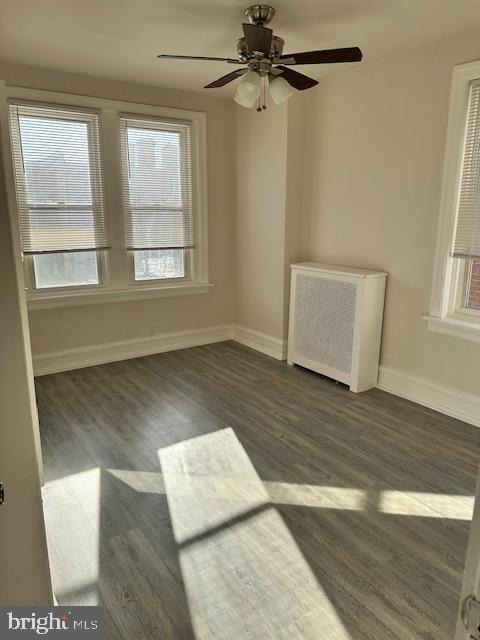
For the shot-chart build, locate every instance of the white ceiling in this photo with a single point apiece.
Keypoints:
(119, 39)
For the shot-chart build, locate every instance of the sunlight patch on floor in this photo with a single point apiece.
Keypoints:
(222, 515)
(430, 505)
(244, 575)
(209, 480)
(72, 520)
(142, 481)
(307, 495)
(389, 502)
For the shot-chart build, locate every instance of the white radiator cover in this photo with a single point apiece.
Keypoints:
(335, 325)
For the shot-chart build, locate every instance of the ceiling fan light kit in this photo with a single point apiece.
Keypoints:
(262, 53)
(280, 90)
(249, 90)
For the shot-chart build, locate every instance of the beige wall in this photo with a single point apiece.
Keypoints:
(296, 141)
(24, 572)
(64, 328)
(261, 151)
(375, 152)
(270, 156)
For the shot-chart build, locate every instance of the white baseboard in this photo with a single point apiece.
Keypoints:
(273, 347)
(91, 355)
(451, 402)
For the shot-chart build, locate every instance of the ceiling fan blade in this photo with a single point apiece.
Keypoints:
(257, 38)
(226, 79)
(348, 54)
(295, 79)
(173, 57)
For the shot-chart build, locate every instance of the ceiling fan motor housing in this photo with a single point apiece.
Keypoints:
(260, 14)
(276, 49)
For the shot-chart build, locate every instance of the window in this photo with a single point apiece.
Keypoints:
(157, 264)
(111, 198)
(466, 243)
(66, 269)
(455, 303)
(59, 193)
(472, 289)
(157, 188)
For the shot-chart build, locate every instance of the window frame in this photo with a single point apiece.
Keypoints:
(448, 313)
(116, 265)
(188, 255)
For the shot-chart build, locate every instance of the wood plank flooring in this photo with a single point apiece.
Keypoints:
(364, 501)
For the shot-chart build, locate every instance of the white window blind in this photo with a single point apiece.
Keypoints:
(58, 176)
(157, 182)
(467, 234)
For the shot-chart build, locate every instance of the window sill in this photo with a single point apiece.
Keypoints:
(459, 326)
(101, 296)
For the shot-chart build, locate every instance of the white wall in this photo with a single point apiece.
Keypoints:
(65, 328)
(374, 153)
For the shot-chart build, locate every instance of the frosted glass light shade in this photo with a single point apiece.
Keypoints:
(242, 101)
(280, 90)
(249, 90)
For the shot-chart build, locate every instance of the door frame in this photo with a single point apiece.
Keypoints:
(25, 577)
(471, 575)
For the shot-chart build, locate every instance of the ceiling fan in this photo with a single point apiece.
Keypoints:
(262, 53)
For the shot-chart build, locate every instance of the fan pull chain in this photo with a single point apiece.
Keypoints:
(260, 106)
(264, 106)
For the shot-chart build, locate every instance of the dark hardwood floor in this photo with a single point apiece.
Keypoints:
(374, 493)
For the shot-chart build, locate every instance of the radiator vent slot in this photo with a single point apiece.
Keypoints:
(324, 322)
